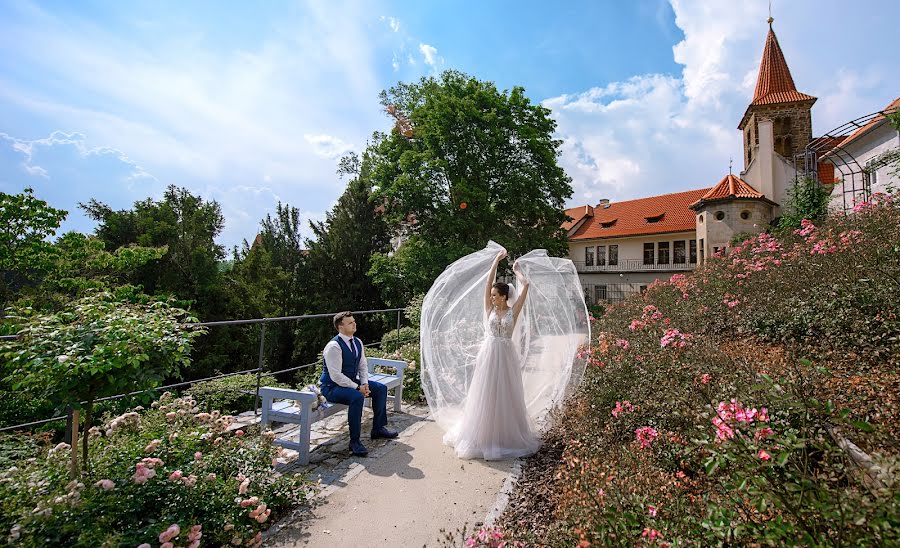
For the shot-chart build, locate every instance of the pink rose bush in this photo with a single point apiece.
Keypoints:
(147, 472)
(727, 418)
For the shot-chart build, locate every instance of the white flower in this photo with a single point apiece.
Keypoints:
(62, 358)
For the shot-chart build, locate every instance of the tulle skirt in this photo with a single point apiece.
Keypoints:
(495, 424)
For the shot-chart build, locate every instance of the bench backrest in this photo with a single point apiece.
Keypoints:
(398, 364)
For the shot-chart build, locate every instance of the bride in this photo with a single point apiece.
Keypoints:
(495, 424)
(495, 364)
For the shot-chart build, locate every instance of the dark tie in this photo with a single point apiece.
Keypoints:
(352, 348)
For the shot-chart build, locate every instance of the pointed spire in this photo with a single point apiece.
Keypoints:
(774, 83)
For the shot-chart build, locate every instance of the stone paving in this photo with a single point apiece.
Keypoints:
(330, 439)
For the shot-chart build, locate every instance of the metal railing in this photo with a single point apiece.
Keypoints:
(610, 293)
(259, 370)
(633, 265)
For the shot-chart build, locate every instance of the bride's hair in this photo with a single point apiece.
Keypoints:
(502, 288)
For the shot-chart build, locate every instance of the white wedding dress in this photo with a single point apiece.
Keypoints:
(495, 423)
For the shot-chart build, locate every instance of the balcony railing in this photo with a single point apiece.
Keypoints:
(632, 265)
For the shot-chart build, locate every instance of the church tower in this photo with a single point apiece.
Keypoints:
(776, 99)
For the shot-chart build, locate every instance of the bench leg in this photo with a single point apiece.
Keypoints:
(305, 426)
(398, 397)
(266, 407)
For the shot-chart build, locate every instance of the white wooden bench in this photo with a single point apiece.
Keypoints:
(285, 410)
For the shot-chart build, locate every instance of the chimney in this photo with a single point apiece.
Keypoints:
(603, 204)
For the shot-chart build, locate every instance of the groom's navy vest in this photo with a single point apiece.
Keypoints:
(349, 363)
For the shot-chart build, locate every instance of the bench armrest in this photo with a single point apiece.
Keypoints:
(287, 394)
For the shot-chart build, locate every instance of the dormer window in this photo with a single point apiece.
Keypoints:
(608, 224)
(655, 218)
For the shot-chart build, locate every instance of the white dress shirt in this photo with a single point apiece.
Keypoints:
(334, 359)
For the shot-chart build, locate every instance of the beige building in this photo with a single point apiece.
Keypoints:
(621, 247)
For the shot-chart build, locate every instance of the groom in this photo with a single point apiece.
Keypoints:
(345, 379)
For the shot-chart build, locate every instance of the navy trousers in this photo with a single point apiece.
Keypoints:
(354, 399)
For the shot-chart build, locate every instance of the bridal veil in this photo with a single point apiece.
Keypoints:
(550, 333)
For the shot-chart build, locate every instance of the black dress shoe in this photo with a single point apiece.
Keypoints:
(358, 449)
(384, 433)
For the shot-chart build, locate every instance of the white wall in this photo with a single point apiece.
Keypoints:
(631, 247)
(865, 149)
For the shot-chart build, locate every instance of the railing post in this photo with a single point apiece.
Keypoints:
(262, 348)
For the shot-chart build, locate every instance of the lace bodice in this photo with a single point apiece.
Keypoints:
(501, 326)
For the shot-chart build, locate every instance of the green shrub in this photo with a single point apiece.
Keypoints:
(406, 335)
(414, 310)
(231, 395)
(716, 405)
(151, 470)
(412, 382)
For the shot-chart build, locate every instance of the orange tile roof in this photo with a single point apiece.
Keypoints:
(774, 83)
(577, 214)
(825, 172)
(872, 124)
(630, 216)
(728, 188)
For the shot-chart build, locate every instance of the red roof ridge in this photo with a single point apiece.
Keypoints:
(892, 107)
(729, 187)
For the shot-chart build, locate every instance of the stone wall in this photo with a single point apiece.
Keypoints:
(717, 232)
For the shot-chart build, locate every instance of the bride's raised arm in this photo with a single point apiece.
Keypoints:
(523, 292)
(492, 275)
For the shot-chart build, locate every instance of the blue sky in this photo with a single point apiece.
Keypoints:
(251, 103)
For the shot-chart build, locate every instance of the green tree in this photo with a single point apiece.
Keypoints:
(96, 347)
(477, 164)
(807, 199)
(26, 255)
(338, 261)
(186, 225)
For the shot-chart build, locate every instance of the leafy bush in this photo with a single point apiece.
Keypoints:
(412, 381)
(232, 395)
(414, 310)
(405, 336)
(165, 473)
(721, 406)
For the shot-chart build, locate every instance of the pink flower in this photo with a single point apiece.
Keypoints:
(142, 474)
(242, 488)
(145, 545)
(651, 510)
(152, 462)
(167, 545)
(170, 416)
(189, 481)
(651, 534)
(176, 475)
(763, 455)
(705, 378)
(152, 446)
(623, 343)
(674, 338)
(622, 408)
(763, 433)
(105, 484)
(173, 531)
(645, 435)
(198, 455)
(239, 433)
(195, 533)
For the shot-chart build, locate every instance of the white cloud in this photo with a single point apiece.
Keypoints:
(392, 22)
(327, 146)
(429, 53)
(654, 133)
(77, 141)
